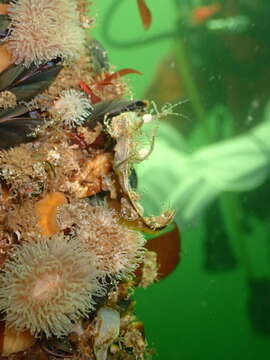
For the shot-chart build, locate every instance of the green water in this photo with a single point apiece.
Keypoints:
(201, 310)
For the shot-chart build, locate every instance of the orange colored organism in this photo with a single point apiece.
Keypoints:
(202, 13)
(46, 212)
(145, 13)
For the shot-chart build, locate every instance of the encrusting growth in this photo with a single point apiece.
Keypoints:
(46, 212)
(71, 223)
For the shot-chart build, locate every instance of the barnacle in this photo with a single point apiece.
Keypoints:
(43, 30)
(7, 99)
(48, 285)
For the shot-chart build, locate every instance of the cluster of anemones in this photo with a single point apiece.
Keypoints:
(50, 280)
(62, 251)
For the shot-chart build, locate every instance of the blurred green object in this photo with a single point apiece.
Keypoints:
(259, 304)
(219, 255)
(198, 314)
(238, 164)
(236, 24)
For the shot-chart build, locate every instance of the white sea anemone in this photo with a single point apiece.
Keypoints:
(44, 29)
(72, 108)
(118, 249)
(48, 285)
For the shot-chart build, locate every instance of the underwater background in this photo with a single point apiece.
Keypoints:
(211, 164)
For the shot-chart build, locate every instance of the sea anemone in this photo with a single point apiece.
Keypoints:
(47, 286)
(118, 250)
(23, 169)
(42, 30)
(17, 163)
(23, 221)
(72, 108)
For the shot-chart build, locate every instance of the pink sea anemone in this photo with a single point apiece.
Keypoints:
(42, 30)
(47, 286)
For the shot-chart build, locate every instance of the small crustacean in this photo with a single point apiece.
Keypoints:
(123, 129)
